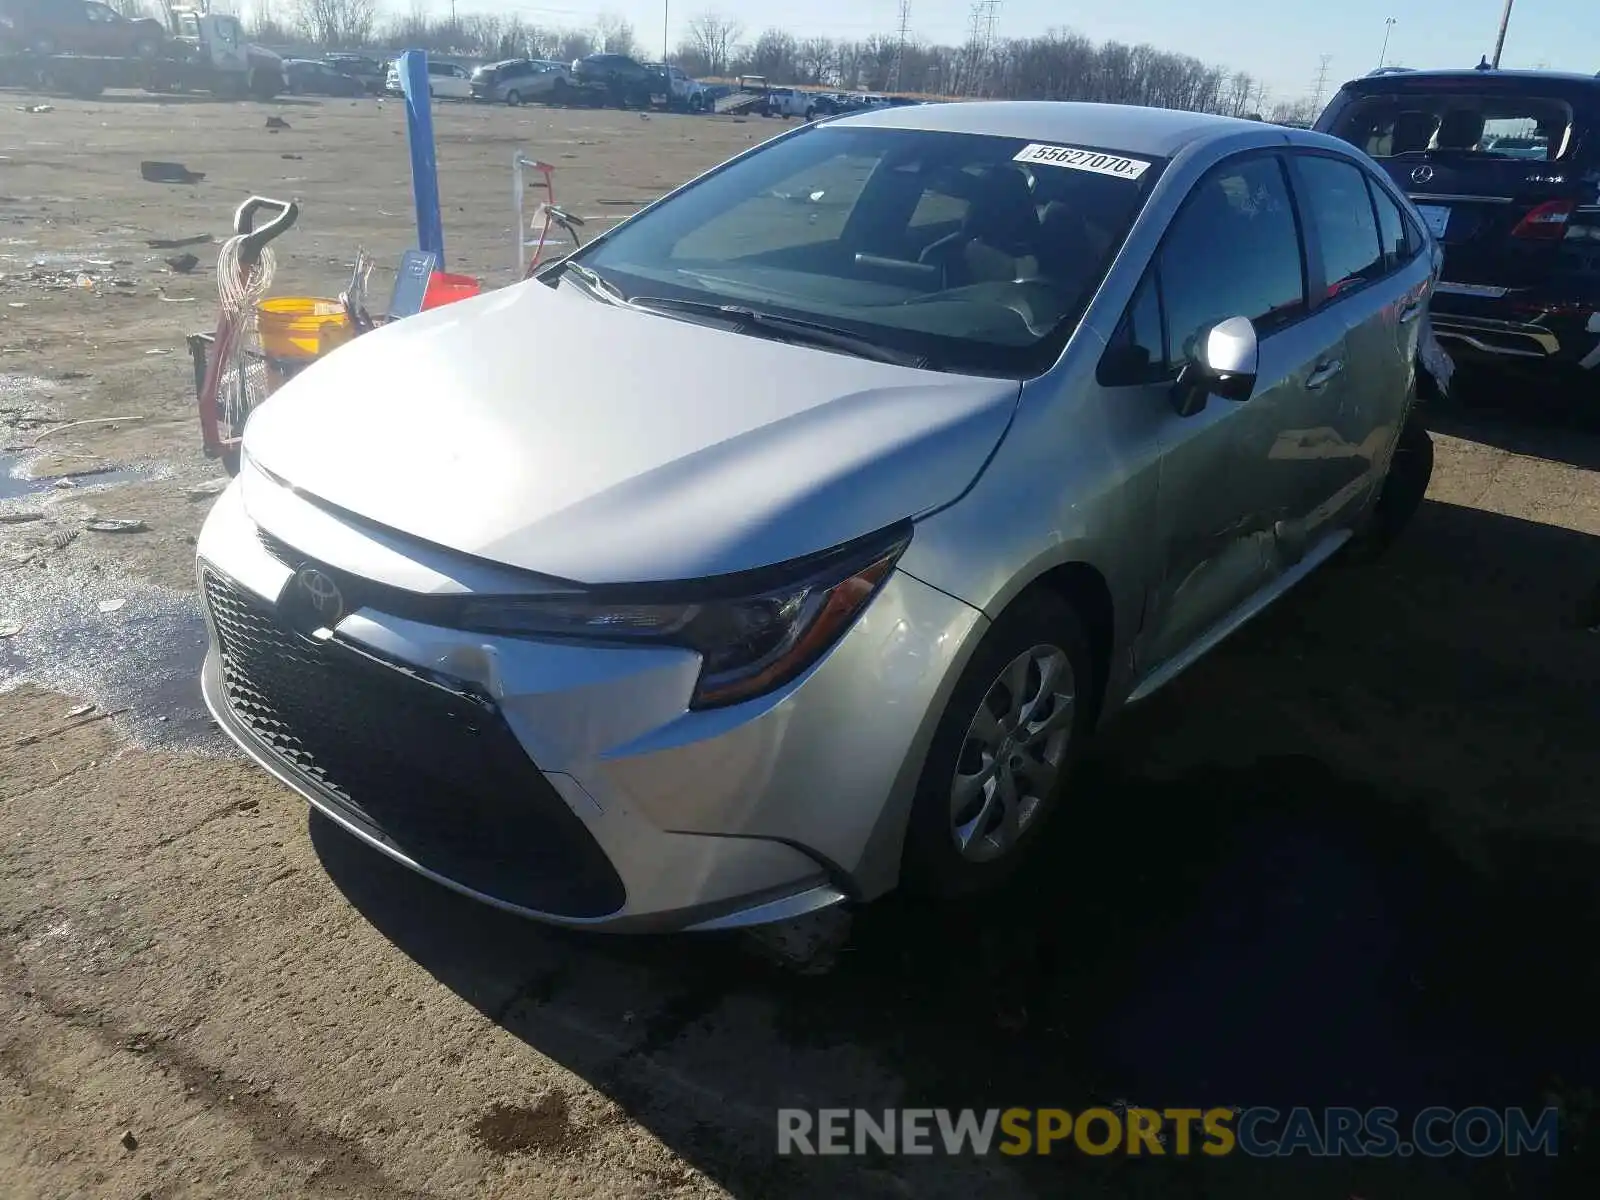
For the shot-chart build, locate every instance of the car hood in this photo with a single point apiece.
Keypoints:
(549, 431)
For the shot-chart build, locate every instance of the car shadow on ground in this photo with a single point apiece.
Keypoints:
(1525, 417)
(1352, 859)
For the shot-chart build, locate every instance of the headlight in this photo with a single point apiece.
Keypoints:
(750, 638)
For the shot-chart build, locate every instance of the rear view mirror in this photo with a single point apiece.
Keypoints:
(1225, 365)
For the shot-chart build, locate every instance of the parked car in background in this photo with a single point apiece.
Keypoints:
(446, 80)
(617, 80)
(1504, 167)
(80, 27)
(684, 92)
(786, 102)
(369, 71)
(308, 77)
(520, 81)
(1033, 405)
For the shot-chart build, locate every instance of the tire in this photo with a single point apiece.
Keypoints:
(514, 98)
(697, 103)
(1405, 485)
(958, 845)
(811, 115)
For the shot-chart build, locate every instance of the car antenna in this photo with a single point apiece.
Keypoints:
(1483, 63)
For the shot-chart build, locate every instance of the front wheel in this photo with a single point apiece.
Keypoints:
(1007, 740)
(514, 98)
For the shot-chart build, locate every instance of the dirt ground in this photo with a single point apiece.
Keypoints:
(1350, 859)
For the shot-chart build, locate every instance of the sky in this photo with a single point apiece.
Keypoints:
(1278, 41)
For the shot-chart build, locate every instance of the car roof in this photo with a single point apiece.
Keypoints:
(1390, 80)
(1161, 132)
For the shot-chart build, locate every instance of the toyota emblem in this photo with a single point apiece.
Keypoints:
(1423, 174)
(322, 593)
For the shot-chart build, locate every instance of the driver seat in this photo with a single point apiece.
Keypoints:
(998, 240)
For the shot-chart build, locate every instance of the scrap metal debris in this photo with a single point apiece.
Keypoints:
(36, 108)
(276, 123)
(116, 525)
(211, 487)
(199, 239)
(183, 263)
(169, 172)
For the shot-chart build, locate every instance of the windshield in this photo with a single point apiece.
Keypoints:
(974, 253)
(1460, 122)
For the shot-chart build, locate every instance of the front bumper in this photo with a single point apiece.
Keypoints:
(1518, 327)
(640, 814)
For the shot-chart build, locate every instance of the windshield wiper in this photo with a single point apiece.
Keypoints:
(594, 282)
(789, 329)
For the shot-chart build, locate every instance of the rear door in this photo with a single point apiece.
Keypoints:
(1495, 164)
(1365, 279)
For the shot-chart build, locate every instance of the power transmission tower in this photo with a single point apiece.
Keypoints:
(900, 45)
(980, 41)
(1320, 84)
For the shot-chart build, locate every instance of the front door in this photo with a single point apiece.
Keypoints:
(1235, 491)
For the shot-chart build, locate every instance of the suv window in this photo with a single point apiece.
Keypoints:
(1337, 205)
(1465, 120)
(1232, 251)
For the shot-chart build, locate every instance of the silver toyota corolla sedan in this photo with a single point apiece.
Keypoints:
(880, 465)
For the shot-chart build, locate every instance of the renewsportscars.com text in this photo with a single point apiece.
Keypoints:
(1258, 1132)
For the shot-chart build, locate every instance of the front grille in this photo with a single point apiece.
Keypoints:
(433, 771)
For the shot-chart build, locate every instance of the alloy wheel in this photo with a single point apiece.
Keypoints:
(1012, 753)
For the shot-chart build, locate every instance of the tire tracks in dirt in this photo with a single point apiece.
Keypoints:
(276, 1128)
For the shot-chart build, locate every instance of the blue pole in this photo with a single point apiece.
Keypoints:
(424, 167)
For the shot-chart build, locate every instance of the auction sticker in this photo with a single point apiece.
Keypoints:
(1083, 160)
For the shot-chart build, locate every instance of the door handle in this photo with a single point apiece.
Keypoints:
(1324, 371)
(1411, 312)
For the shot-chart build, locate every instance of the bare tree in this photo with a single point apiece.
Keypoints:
(337, 22)
(614, 35)
(132, 9)
(714, 39)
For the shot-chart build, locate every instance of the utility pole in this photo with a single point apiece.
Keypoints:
(900, 45)
(1388, 26)
(1500, 40)
(1320, 84)
(665, 56)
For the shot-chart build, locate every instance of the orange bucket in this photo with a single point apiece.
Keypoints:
(444, 288)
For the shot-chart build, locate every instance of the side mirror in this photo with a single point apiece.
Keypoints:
(1226, 366)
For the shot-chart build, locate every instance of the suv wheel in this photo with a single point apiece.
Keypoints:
(513, 98)
(1005, 744)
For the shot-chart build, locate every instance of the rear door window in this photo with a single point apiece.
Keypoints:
(1337, 205)
(1398, 245)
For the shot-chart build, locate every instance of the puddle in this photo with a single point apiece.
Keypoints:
(14, 481)
(144, 656)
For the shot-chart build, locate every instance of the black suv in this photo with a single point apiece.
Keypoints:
(1504, 167)
(617, 79)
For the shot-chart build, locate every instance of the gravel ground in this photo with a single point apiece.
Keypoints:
(1350, 859)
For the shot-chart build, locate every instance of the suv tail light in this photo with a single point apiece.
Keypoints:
(1546, 222)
